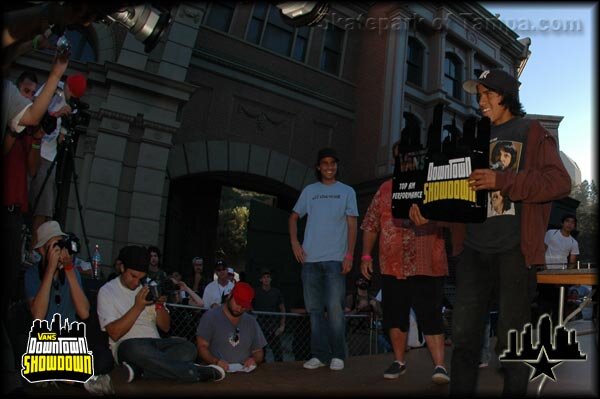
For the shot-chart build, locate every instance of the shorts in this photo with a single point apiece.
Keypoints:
(424, 294)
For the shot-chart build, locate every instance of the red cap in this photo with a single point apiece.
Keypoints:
(243, 294)
(77, 85)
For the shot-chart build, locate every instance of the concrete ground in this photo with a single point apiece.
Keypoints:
(362, 376)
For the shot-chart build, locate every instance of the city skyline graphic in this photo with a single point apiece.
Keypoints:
(552, 347)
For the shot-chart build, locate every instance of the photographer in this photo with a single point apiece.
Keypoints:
(42, 186)
(132, 319)
(54, 284)
(20, 152)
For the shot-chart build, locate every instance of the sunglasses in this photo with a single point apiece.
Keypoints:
(236, 336)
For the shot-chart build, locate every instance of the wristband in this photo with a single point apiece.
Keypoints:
(68, 267)
(349, 257)
(366, 257)
(35, 146)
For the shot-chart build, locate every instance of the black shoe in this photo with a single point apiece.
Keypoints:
(440, 376)
(210, 372)
(125, 373)
(394, 371)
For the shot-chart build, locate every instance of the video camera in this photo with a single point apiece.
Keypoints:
(79, 117)
(70, 242)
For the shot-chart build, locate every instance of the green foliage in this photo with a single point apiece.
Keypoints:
(587, 220)
(234, 214)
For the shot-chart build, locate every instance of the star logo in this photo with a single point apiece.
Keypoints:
(542, 366)
(552, 348)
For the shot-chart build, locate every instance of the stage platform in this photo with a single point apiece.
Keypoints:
(362, 377)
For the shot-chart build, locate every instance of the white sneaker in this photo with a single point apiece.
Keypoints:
(313, 363)
(336, 364)
(99, 385)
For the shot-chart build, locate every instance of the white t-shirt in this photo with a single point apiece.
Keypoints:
(14, 106)
(213, 293)
(49, 140)
(559, 249)
(114, 300)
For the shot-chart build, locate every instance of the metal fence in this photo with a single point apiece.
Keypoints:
(364, 335)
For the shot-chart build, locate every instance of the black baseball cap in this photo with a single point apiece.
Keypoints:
(495, 79)
(135, 257)
(327, 152)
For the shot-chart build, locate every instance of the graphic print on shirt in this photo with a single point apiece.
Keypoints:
(234, 338)
(504, 155)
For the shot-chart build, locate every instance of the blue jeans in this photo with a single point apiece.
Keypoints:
(324, 286)
(171, 358)
(479, 279)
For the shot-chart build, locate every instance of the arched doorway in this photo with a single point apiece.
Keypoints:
(200, 173)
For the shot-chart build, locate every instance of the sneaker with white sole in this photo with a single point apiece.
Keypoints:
(394, 371)
(210, 372)
(313, 363)
(99, 385)
(440, 375)
(336, 364)
(126, 373)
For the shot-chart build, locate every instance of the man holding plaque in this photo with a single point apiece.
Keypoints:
(499, 255)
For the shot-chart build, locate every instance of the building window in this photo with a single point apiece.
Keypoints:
(331, 58)
(82, 47)
(267, 29)
(414, 62)
(219, 15)
(452, 76)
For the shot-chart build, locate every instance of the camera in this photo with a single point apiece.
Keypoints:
(70, 242)
(153, 293)
(166, 288)
(78, 118)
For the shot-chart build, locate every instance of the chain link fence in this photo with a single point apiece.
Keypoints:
(364, 335)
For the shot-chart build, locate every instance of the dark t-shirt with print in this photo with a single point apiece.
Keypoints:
(501, 230)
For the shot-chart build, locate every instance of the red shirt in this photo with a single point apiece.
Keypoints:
(14, 166)
(404, 249)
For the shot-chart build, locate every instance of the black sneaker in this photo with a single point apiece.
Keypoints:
(394, 371)
(210, 372)
(125, 373)
(440, 376)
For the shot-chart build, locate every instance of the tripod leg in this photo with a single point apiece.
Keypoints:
(42, 203)
(70, 154)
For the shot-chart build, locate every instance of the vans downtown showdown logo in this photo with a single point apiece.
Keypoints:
(57, 352)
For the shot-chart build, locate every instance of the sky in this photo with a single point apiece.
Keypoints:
(558, 78)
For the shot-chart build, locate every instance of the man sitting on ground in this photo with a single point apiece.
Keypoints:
(228, 337)
(130, 318)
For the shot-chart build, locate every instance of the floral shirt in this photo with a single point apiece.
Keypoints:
(404, 249)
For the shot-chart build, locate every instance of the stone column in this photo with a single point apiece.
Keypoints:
(393, 102)
(180, 41)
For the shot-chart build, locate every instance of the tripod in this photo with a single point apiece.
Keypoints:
(66, 152)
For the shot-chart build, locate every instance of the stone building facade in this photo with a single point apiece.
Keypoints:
(233, 96)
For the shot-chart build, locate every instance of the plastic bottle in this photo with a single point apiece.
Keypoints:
(96, 262)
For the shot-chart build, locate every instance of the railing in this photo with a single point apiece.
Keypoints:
(362, 331)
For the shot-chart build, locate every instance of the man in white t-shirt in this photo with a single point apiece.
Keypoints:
(216, 291)
(561, 252)
(131, 321)
(561, 248)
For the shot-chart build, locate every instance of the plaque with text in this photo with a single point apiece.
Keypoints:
(436, 178)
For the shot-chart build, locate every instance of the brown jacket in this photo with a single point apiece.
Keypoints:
(542, 180)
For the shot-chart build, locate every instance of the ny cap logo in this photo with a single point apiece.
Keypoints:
(484, 74)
